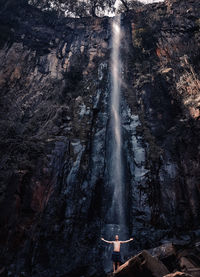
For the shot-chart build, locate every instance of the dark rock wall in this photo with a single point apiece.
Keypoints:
(55, 88)
(162, 90)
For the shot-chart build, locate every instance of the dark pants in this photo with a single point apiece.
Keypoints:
(116, 257)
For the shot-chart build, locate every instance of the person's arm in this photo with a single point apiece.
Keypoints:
(125, 241)
(107, 241)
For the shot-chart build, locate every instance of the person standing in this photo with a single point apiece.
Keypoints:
(116, 256)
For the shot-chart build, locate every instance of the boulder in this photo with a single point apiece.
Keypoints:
(142, 265)
(178, 274)
(167, 254)
(164, 251)
(189, 264)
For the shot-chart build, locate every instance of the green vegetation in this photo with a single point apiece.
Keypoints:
(82, 8)
(75, 8)
(127, 5)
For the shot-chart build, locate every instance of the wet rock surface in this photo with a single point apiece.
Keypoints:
(54, 126)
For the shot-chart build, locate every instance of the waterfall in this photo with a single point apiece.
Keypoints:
(115, 218)
(116, 168)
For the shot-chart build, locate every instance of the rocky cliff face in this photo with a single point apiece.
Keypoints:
(55, 93)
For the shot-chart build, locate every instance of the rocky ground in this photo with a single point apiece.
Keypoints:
(54, 134)
(172, 259)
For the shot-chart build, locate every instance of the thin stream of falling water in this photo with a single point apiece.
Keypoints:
(115, 218)
(116, 175)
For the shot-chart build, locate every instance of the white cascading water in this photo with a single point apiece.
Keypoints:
(116, 175)
(115, 222)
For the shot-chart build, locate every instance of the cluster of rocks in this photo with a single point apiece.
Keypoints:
(175, 259)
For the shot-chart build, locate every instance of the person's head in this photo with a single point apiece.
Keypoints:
(116, 237)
